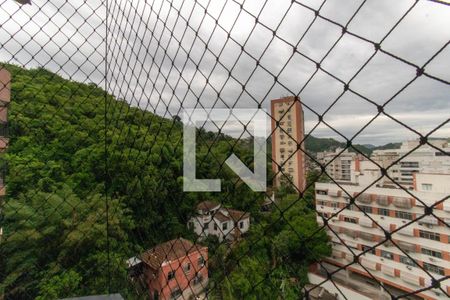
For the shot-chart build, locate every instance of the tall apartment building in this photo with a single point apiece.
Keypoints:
(388, 210)
(5, 95)
(288, 159)
(338, 163)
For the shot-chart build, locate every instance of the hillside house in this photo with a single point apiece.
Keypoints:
(176, 269)
(214, 219)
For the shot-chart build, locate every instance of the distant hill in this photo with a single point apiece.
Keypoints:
(315, 145)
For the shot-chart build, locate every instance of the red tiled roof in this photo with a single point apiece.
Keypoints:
(170, 250)
(207, 205)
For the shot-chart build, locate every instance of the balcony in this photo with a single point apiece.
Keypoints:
(349, 232)
(334, 193)
(364, 198)
(366, 236)
(387, 270)
(402, 202)
(430, 220)
(369, 264)
(407, 247)
(408, 231)
(382, 200)
(410, 278)
(365, 222)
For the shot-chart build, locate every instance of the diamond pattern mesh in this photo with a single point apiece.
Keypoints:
(93, 170)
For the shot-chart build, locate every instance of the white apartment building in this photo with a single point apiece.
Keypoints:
(339, 164)
(424, 159)
(426, 241)
(214, 219)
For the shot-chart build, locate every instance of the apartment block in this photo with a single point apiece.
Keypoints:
(214, 219)
(5, 97)
(338, 163)
(413, 158)
(288, 158)
(418, 249)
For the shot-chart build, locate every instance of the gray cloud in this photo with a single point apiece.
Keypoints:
(153, 56)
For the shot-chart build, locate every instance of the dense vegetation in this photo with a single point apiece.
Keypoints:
(69, 169)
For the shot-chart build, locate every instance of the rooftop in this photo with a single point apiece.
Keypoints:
(168, 251)
(207, 205)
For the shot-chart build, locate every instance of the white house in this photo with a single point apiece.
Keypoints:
(214, 219)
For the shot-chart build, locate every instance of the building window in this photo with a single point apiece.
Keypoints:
(198, 279)
(368, 249)
(288, 117)
(383, 211)
(241, 224)
(409, 164)
(175, 294)
(291, 170)
(334, 204)
(281, 137)
(427, 186)
(155, 295)
(187, 268)
(171, 275)
(215, 227)
(201, 261)
(407, 261)
(289, 129)
(224, 226)
(433, 268)
(366, 209)
(350, 220)
(387, 254)
(403, 215)
(431, 253)
(429, 235)
(322, 192)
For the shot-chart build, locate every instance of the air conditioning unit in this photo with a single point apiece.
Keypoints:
(382, 218)
(403, 221)
(429, 226)
(409, 268)
(432, 259)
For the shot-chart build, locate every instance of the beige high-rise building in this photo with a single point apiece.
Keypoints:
(288, 159)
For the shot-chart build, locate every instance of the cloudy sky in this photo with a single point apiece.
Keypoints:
(163, 55)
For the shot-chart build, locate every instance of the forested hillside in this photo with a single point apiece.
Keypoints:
(69, 169)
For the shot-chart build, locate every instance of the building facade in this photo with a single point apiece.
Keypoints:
(288, 158)
(338, 163)
(176, 269)
(411, 158)
(225, 223)
(418, 250)
(5, 97)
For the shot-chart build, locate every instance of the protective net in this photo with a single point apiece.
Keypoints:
(93, 100)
